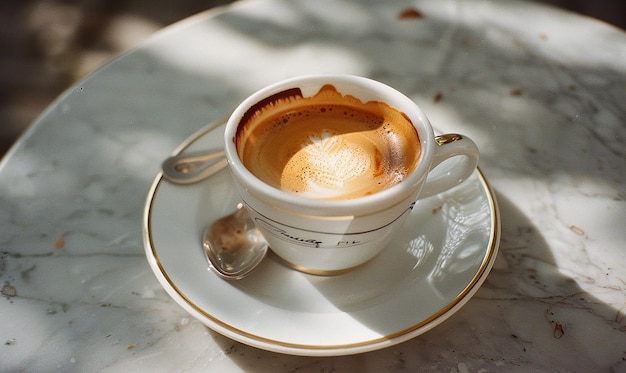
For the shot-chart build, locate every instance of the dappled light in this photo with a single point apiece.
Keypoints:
(543, 100)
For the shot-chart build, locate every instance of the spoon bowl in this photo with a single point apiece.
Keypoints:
(233, 245)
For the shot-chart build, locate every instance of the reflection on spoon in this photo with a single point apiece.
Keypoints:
(233, 245)
(188, 168)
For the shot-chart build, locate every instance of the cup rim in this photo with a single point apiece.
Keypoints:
(410, 186)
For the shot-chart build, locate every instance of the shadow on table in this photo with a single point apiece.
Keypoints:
(525, 326)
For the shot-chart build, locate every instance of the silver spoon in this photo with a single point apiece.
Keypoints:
(188, 168)
(233, 245)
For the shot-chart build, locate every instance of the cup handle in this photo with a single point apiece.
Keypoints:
(445, 175)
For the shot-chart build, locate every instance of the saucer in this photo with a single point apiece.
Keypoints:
(427, 273)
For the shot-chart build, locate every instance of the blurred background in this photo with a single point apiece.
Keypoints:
(46, 45)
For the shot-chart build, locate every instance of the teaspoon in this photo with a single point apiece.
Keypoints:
(233, 245)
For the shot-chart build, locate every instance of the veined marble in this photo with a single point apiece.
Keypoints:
(542, 92)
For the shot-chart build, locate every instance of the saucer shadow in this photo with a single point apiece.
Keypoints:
(523, 298)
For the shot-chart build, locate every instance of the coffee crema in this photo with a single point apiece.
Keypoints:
(328, 146)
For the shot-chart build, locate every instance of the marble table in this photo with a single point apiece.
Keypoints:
(542, 92)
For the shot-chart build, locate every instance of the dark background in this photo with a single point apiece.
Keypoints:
(49, 44)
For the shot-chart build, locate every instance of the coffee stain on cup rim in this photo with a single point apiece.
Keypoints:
(283, 95)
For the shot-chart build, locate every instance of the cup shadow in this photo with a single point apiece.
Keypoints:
(447, 243)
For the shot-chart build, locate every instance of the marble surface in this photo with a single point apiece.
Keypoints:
(540, 90)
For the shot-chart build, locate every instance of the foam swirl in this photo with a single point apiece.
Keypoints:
(329, 146)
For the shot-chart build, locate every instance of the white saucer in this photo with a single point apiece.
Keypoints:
(428, 272)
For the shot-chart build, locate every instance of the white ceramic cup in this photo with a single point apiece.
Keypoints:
(330, 237)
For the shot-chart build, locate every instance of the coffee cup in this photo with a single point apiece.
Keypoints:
(330, 166)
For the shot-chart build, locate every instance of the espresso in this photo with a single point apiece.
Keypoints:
(328, 146)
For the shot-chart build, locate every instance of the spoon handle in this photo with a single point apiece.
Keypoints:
(192, 167)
